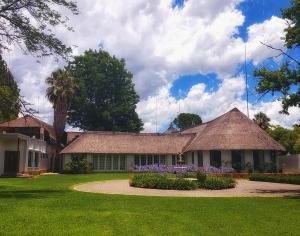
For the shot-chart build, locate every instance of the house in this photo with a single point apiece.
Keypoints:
(229, 140)
(27, 146)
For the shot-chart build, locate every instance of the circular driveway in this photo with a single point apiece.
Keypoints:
(244, 188)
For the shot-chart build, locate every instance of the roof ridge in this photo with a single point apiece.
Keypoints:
(136, 134)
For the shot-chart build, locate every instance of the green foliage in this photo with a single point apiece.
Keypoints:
(105, 98)
(78, 164)
(161, 181)
(289, 138)
(9, 94)
(187, 120)
(292, 37)
(34, 36)
(287, 76)
(201, 177)
(288, 179)
(262, 120)
(217, 183)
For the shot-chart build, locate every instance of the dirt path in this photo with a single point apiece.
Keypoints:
(244, 188)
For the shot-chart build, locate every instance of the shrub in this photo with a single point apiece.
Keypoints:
(78, 164)
(161, 181)
(201, 177)
(288, 179)
(217, 183)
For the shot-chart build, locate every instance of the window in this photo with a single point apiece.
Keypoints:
(200, 158)
(193, 157)
(30, 158)
(137, 160)
(36, 159)
(156, 159)
(115, 162)
(258, 160)
(95, 162)
(173, 160)
(237, 160)
(149, 160)
(122, 162)
(108, 162)
(143, 160)
(101, 162)
(162, 160)
(215, 158)
(273, 157)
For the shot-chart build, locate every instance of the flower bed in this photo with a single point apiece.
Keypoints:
(166, 169)
(161, 181)
(288, 179)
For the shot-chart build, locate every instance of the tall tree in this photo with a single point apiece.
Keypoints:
(262, 120)
(29, 24)
(61, 88)
(105, 98)
(285, 80)
(187, 120)
(9, 94)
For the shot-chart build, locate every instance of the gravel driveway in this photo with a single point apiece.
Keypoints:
(244, 188)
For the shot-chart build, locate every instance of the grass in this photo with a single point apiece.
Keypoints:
(46, 205)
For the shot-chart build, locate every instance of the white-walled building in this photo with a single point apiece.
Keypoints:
(230, 140)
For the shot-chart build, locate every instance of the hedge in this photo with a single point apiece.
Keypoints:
(288, 179)
(215, 183)
(161, 181)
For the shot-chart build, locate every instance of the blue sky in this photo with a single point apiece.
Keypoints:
(182, 54)
(255, 11)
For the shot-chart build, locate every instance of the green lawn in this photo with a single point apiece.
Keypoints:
(46, 205)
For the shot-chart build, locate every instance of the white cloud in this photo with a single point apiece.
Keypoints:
(160, 43)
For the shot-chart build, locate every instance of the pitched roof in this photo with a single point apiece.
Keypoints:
(231, 131)
(129, 143)
(30, 121)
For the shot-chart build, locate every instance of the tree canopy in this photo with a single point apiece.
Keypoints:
(29, 25)
(187, 120)
(289, 138)
(262, 120)
(105, 98)
(286, 79)
(9, 94)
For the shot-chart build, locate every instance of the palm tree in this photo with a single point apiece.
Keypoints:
(61, 88)
(262, 120)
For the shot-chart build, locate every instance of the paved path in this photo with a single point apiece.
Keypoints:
(244, 188)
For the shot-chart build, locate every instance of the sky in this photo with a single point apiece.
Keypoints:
(186, 56)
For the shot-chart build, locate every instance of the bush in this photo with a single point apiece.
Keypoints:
(288, 179)
(217, 183)
(78, 164)
(161, 181)
(201, 177)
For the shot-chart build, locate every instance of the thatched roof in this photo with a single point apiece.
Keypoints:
(231, 131)
(29, 121)
(72, 135)
(128, 143)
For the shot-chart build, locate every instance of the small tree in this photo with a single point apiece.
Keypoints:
(187, 120)
(262, 120)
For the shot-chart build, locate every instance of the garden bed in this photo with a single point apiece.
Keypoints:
(167, 181)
